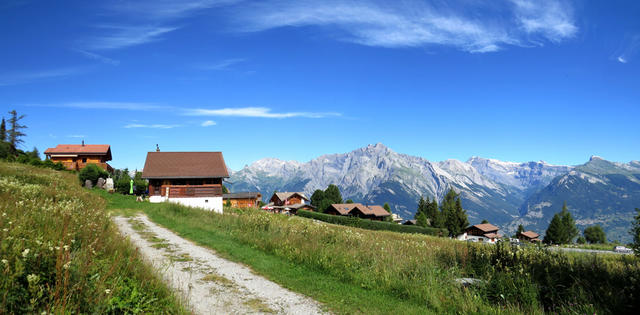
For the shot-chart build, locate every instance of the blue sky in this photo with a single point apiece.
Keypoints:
(514, 80)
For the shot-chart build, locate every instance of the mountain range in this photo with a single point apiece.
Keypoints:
(505, 193)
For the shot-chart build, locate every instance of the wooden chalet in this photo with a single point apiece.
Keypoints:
(485, 232)
(190, 178)
(78, 156)
(242, 199)
(377, 213)
(529, 236)
(288, 202)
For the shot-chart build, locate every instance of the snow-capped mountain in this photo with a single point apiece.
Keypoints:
(490, 189)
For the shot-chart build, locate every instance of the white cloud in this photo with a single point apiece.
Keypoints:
(208, 123)
(97, 57)
(469, 26)
(629, 48)
(165, 9)
(222, 65)
(154, 126)
(76, 136)
(260, 112)
(16, 78)
(622, 60)
(120, 36)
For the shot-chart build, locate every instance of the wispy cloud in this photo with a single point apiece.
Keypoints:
(121, 36)
(415, 23)
(630, 46)
(76, 136)
(208, 123)
(221, 65)
(16, 78)
(153, 126)
(108, 105)
(97, 57)
(260, 112)
(166, 9)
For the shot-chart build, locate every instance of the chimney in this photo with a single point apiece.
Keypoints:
(157, 148)
(83, 142)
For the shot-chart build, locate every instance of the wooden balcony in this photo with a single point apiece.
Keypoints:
(188, 191)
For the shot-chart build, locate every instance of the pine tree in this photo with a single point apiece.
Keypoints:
(387, 207)
(555, 232)
(520, 229)
(454, 217)
(15, 135)
(421, 216)
(571, 231)
(484, 221)
(316, 198)
(3, 131)
(333, 194)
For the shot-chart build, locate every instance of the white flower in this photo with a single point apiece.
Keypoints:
(10, 222)
(25, 253)
(4, 261)
(5, 230)
(4, 214)
(67, 265)
(66, 247)
(107, 291)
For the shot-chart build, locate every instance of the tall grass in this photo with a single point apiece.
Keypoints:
(60, 253)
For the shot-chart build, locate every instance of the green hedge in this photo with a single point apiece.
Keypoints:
(372, 225)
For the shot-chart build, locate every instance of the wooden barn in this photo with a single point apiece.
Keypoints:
(376, 213)
(189, 178)
(242, 199)
(78, 156)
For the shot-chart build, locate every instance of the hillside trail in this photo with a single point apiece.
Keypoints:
(207, 283)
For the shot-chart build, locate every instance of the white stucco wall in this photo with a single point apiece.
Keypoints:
(207, 203)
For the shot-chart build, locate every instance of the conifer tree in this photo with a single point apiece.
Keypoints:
(421, 215)
(484, 221)
(3, 130)
(571, 231)
(317, 197)
(635, 233)
(15, 135)
(595, 234)
(555, 232)
(332, 193)
(454, 217)
(520, 229)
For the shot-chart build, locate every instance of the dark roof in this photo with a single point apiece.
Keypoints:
(410, 222)
(241, 195)
(86, 149)
(485, 227)
(185, 165)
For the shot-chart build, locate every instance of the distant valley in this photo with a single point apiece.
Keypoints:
(505, 193)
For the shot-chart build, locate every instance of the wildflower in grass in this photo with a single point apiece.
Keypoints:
(4, 261)
(5, 230)
(67, 265)
(25, 253)
(4, 214)
(66, 247)
(107, 291)
(33, 279)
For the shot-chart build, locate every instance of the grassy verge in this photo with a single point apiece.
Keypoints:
(354, 270)
(608, 246)
(60, 253)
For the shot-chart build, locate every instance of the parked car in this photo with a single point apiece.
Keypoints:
(622, 249)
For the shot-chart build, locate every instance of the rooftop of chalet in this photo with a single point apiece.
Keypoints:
(80, 149)
(178, 165)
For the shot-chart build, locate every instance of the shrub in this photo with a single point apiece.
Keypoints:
(92, 172)
(370, 224)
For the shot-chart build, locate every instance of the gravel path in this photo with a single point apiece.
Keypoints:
(210, 284)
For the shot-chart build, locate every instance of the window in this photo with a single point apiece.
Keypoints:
(84, 160)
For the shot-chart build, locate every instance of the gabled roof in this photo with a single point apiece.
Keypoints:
(530, 234)
(286, 195)
(379, 211)
(492, 235)
(485, 227)
(86, 149)
(346, 208)
(185, 165)
(241, 195)
(410, 222)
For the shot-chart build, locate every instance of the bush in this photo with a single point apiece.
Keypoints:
(372, 225)
(92, 172)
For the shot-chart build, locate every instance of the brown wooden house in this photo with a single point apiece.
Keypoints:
(78, 156)
(529, 236)
(242, 199)
(288, 202)
(485, 232)
(377, 213)
(190, 178)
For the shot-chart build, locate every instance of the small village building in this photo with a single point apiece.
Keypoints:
(242, 199)
(410, 222)
(77, 156)
(376, 213)
(288, 203)
(189, 178)
(529, 236)
(396, 218)
(486, 232)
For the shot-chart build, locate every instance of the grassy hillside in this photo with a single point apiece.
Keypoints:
(376, 272)
(60, 253)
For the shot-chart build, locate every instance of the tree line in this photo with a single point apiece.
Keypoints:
(449, 215)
